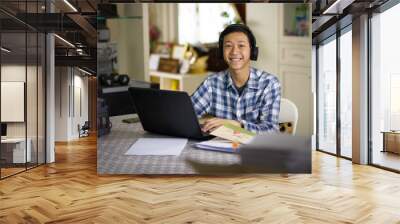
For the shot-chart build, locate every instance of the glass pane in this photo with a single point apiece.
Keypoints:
(327, 97)
(13, 87)
(23, 57)
(32, 86)
(386, 89)
(41, 99)
(31, 98)
(346, 94)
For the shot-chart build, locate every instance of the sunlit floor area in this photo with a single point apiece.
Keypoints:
(387, 159)
(70, 191)
(346, 152)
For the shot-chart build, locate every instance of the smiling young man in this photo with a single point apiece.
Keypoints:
(241, 95)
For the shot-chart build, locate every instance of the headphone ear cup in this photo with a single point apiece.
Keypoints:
(254, 54)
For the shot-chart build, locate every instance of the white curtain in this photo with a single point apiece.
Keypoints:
(203, 22)
(165, 17)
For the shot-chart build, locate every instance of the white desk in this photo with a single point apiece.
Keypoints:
(18, 149)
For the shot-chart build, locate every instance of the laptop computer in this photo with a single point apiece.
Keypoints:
(167, 112)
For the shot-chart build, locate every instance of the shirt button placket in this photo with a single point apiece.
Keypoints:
(238, 115)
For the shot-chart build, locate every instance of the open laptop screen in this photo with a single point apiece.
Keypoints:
(166, 112)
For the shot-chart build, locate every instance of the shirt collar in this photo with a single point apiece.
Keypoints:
(251, 83)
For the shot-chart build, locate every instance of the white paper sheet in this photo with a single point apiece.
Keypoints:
(157, 146)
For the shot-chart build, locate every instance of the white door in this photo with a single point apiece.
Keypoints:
(296, 86)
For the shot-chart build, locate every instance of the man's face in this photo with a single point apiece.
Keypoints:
(236, 50)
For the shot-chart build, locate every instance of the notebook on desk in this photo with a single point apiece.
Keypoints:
(218, 144)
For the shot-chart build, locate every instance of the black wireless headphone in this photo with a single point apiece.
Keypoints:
(243, 29)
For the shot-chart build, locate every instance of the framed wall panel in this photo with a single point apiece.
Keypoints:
(12, 101)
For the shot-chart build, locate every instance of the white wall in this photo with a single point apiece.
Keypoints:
(12, 101)
(61, 103)
(131, 36)
(289, 58)
(33, 126)
(13, 73)
(262, 20)
(314, 91)
(82, 82)
(17, 73)
(70, 84)
(81, 104)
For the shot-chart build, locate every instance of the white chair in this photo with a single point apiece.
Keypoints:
(288, 113)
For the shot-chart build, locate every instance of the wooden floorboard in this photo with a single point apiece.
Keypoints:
(386, 159)
(70, 191)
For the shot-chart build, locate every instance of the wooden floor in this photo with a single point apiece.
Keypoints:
(387, 159)
(10, 171)
(70, 191)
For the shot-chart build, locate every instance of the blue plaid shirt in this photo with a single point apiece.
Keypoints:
(257, 109)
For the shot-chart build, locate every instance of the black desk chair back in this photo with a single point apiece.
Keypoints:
(84, 129)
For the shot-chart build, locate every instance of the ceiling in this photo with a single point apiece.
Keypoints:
(72, 20)
(75, 21)
(330, 15)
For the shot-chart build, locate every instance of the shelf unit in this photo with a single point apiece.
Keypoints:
(294, 64)
(181, 82)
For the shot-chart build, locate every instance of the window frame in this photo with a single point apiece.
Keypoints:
(380, 9)
(25, 30)
(333, 37)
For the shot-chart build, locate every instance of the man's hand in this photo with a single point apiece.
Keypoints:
(212, 123)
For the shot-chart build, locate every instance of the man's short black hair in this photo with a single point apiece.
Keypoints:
(243, 29)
